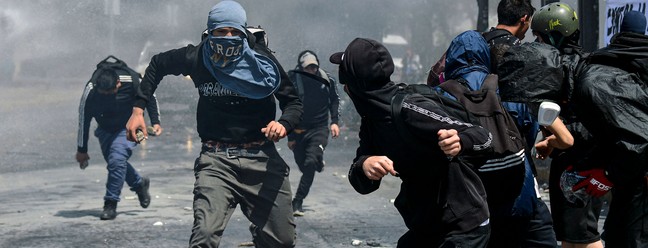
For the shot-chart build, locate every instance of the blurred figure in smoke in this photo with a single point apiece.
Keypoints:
(441, 199)
(411, 67)
(317, 91)
(238, 79)
(109, 98)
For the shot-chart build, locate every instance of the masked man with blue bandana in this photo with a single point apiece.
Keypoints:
(238, 80)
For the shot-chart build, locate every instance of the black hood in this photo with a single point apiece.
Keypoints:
(366, 68)
(366, 61)
(627, 51)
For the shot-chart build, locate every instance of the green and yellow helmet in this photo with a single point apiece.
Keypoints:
(555, 20)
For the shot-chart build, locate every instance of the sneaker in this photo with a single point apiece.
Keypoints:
(143, 192)
(109, 210)
(297, 207)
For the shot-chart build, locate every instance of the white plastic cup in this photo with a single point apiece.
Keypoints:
(547, 113)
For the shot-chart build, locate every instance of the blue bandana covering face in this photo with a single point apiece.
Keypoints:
(240, 69)
(227, 49)
(231, 61)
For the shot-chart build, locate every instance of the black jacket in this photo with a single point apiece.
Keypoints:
(438, 195)
(110, 111)
(222, 116)
(611, 98)
(608, 92)
(319, 97)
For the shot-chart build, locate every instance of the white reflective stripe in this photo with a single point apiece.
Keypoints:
(82, 105)
(503, 163)
(126, 78)
(433, 115)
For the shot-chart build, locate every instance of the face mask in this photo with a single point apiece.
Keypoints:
(226, 49)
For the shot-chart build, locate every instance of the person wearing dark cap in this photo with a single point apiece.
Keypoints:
(317, 91)
(108, 98)
(442, 200)
(238, 80)
(633, 21)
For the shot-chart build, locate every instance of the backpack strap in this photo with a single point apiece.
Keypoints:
(453, 87)
(396, 108)
(490, 83)
(496, 33)
(298, 84)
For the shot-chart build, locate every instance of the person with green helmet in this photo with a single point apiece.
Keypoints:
(575, 224)
(556, 24)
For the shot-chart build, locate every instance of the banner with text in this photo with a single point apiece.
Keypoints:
(614, 11)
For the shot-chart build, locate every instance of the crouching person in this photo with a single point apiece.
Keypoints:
(441, 200)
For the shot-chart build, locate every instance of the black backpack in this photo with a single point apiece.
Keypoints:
(503, 172)
(120, 67)
(454, 108)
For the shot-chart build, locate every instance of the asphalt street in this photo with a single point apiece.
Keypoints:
(47, 201)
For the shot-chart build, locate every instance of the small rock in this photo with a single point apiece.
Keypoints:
(187, 208)
(392, 200)
(356, 242)
(130, 197)
(373, 243)
(159, 223)
(248, 243)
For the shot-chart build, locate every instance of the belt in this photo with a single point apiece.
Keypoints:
(299, 131)
(234, 150)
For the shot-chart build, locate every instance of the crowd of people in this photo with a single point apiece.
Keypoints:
(457, 189)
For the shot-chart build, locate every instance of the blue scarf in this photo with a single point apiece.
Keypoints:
(240, 69)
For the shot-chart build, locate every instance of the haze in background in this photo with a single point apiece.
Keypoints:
(50, 40)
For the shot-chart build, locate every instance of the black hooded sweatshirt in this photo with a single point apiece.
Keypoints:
(437, 196)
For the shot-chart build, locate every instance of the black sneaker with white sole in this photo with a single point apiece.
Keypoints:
(297, 207)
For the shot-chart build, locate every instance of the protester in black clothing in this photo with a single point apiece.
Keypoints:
(607, 92)
(441, 199)
(237, 80)
(109, 100)
(317, 91)
(574, 225)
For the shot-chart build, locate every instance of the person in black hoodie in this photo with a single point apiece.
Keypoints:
(237, 80)
(441, 200)
(317, 91)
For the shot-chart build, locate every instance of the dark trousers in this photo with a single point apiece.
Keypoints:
(309, 156)
(255, 179)
(573, 224)
(116, 150)
(524, 231)
(627, 222)
(476, 238)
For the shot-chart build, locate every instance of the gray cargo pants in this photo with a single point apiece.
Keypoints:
(257, 179)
